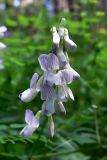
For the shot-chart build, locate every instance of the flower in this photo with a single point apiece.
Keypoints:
(69, 43)
(32, 123)
(30, 93)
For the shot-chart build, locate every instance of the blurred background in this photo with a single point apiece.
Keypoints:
(82, 133)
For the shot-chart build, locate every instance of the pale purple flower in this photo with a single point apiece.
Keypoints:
(32, 123)
(30, 93)
(66, 76)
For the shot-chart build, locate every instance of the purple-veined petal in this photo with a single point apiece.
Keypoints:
(2, 45)
(76, 75)
(27, 131)
(33, 81)
(49, 62)
(43, 60)
(30, 119)
(61, 108)
(28, 95)
(49, 77)
(47, 92)
(48, 107)
(53, 62)
(61, 56)
(66, 76)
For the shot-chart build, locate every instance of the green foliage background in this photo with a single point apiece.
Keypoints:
(82, 133)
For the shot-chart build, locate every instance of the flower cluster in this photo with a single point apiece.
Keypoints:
(53, 84)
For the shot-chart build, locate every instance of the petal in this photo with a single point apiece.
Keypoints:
(43, 60)
(66, 76)
(61, 32)
(76, 75)
(33, 81)
(47, 92)
(69, 43)
(30, 119)
(53, 62)
(28, 95)
(49, 62)
(70, 94)
(56, 38)
(48, 107)
(27, 131)
(39, 83)
(2, 45)
(49, 77)
(62, 94)
(62, 58)
(61, 108)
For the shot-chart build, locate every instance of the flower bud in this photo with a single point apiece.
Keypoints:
(50, 126)
(61, 108)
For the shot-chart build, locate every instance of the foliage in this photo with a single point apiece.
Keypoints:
(81, 134)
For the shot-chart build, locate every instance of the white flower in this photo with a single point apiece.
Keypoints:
(30, 93)
(69, 43)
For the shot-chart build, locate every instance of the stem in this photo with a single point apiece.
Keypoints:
(97, 127)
